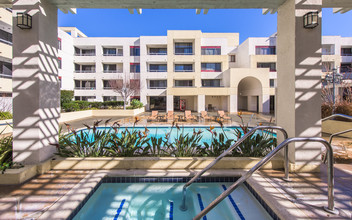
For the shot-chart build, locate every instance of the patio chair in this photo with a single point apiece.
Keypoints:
(204, 115)
(189, 116)
(223, 116)
(154, 116)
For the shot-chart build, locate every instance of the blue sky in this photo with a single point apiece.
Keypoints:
(153, 22)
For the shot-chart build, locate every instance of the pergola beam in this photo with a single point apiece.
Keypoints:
(269, 10)
(341, 10)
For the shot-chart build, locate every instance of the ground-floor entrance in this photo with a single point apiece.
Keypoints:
(182, 103)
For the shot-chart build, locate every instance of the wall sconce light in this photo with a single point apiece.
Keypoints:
(24, 21)
(310, 20)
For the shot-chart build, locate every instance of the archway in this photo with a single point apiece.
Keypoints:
(250, 95)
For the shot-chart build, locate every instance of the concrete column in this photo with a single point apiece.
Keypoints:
(36, 92)
(299, 81)
(201, 103)
(266, 103)
(169, 103)
(233, 104)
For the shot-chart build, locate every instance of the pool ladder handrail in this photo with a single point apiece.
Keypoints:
(331, 209)
(286, 177)
(337, 133)
(336, 116)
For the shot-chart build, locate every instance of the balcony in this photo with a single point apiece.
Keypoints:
(112, 55)
(112, 71)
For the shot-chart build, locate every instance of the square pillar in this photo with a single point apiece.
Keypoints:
(201, 103)
(169, 103)
(299, 81)
(266, 104)
(233, 104)
(36, 88)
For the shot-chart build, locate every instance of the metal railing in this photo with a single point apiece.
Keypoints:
(331, 209)
(338, 133)
(336, 116)
(286, 177)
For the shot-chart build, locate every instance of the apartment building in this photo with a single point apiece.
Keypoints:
(5, 59)
(185, 70)
(5, 52)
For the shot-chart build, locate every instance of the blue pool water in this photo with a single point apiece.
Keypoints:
(174, 132)
(154, 201)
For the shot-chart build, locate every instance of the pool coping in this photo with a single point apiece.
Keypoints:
(67, 204)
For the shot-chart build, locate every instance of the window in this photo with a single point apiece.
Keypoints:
(5, 37)
(346, 68)
(216, 50)
(346, 51)
(232, 58)
(134, 51)
(85, 98)
(5, 94)
(135, 68)
(109, 51)
(88, 69)
(5, 70)
(211, 67)
(211, 82)
(109, 98)
(106, 84)
(59, 62)
(84, 52)
(157, 68)
(183, 67)
(157, 84)
(271, 66)
(265, 50)
(157, 51)
(109, 68)
(183, 49)
(60, 81)
(183, 83)
(272, 83)
(82, 84)
(59, 45)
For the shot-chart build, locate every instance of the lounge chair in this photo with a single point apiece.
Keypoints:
(223, 116)
(204, 115)
(169, 115)
(154, 116)
(189, 116)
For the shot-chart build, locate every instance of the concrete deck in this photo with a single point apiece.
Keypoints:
(300, 199)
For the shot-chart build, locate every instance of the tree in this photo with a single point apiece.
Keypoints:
(125, 89)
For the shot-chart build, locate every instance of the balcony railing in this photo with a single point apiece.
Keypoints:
(328, 53)
(6, 76)
(213, 86)
(84, 54)
(112, 71)
(346, 54)
(112, 55)
(186, 53)
(157, 70)
(107, 88)
(184, 70)
(161, 87)
(84, 71)
(161, 53)
(85, 88)
(184, 87)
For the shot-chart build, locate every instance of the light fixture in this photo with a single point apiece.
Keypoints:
(310, 20)
(24, 20)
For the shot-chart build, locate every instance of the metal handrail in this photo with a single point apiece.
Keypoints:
(337, 115)
(183, 205)
(332, 136)
(268, 157)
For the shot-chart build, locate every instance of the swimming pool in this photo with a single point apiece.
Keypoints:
(173, 132)
(144, 200)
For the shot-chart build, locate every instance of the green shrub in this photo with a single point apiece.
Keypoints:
(70, 107)
(97, 105)
(136, 104)
(113, 103)
(5, 152)
(66, 96)
(83, 105)
(340, 108)
(5, 115)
